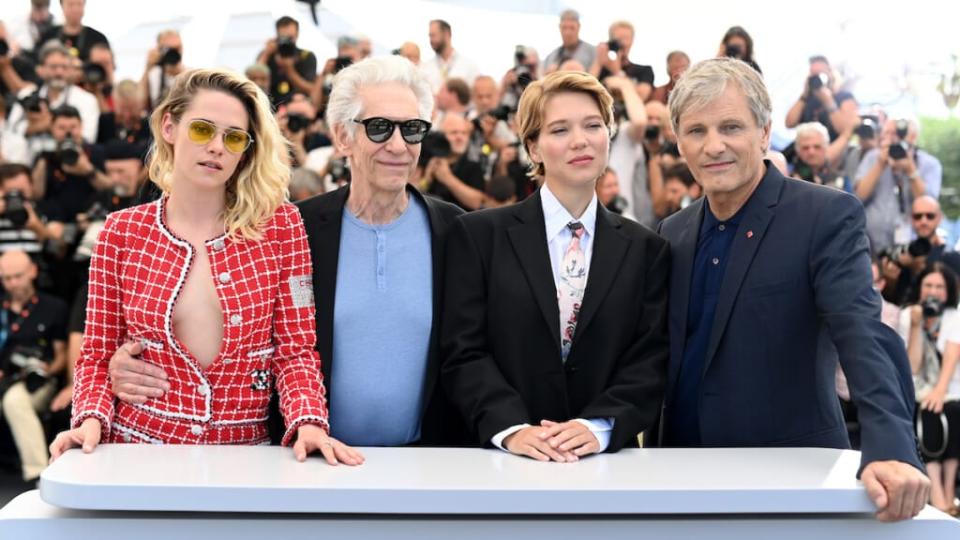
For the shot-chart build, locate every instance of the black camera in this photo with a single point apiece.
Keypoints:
(918, 248)
(32, 103)
(97, 212)
(617, 205)
(68, 151)
(435, 144)
(286, 46)
(297, 122)
(94, 73)
(16, 211)
(4, 47)
(818, 81)
(898, 150)
(652, 133)
(903, 128)
(932, 307)
(614, 46)
(867, 128)
(32, 369)
(502, 112)
(169, 56)
(733, 51)
(395, 52)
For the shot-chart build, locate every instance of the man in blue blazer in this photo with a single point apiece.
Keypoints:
(770, 284)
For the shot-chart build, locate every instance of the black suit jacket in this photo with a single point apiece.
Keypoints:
(797, 291)
(441, 424)
(500, 336)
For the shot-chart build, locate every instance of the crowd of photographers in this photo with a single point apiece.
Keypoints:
(73, 141)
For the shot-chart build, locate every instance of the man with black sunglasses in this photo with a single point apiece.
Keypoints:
(377, 250)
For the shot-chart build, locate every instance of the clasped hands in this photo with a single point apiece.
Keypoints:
(564, 442)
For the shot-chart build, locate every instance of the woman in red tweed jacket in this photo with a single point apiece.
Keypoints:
(214, 279)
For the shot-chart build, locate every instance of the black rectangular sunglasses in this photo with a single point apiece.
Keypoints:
(380, 129)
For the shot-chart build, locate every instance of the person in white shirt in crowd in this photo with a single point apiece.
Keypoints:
(930, 326)
(447, 62)
(27, 31)
(57, 91)
(627, 156)
(164, 63)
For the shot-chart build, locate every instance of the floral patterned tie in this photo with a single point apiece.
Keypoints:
(573, 281)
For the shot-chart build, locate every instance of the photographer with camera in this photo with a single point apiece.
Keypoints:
(613, 59)
(291, 68)
(867, 133)
(677, 63)
(21, 221)
(26, 32)
(164, 63)
(628, 158)
(902, 263)
(297, 123)
(491, 133)
(890, 178)
(55, 91)
(822, 101)
(66, 178)
(17, 67)
(449, 174)
(815, 158)
(32, 356)
(931, 328)
(129, 121)
(737, 43)
(526, 68)
(72, 34)
(125, 175)
(97, 76)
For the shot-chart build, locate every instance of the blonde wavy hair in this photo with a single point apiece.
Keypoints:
(260, 184)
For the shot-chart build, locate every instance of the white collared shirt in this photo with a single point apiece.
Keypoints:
(556, 218)
(437, 70)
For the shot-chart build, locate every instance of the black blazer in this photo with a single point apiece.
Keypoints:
(797, 290)
(500, 336)
(441, 424)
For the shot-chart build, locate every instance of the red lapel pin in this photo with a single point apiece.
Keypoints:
(749, 234)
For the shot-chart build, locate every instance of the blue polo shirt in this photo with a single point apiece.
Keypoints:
(713, 252)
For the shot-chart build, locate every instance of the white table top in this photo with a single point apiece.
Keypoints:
(457, 481)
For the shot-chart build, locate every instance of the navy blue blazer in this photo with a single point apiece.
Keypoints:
(797, 294)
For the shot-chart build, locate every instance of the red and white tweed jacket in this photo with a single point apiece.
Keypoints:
(265, 288)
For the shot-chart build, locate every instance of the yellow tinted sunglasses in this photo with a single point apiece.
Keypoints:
(234, 140)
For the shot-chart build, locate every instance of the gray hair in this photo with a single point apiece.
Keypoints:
(813, 128)
(344, 104)
(706, 80)
(53, 47)
(570, 14)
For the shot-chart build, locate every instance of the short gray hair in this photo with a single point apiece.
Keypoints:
(706, 80)
(570, 14)
(344, 104)
(813, 128)
(53, 47)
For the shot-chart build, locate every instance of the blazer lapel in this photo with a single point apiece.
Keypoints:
(529, 239)
(750, 234)
(684, 251)
(609, 247)
(437, 237)
(323, 234)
